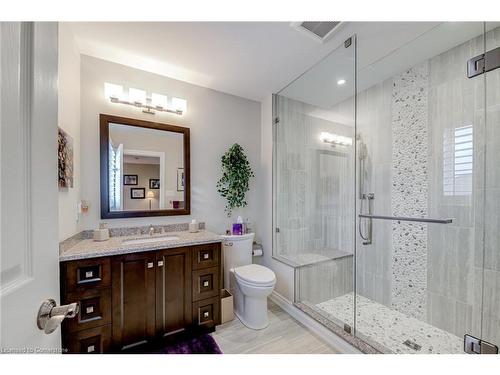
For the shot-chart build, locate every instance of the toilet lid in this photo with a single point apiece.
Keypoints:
(255, 274)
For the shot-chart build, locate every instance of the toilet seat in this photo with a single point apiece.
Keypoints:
(255, 275)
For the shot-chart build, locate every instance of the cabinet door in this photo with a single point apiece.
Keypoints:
(133, 294)
(89, 341)
(173, 290)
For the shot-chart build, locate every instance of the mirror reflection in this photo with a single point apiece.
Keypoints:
(146, 169)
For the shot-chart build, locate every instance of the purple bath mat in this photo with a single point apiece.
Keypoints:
(204, 344)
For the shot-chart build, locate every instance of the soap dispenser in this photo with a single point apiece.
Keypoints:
(193, 226)
(101, 234)
(238, 226)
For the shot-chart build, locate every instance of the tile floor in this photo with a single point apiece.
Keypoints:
(284, 335)
(388, 329)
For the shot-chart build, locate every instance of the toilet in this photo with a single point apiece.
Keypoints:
(250, 284)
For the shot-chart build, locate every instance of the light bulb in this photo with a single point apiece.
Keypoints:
(112, 91)
(179, 105)
(137, 96)
(159, 100)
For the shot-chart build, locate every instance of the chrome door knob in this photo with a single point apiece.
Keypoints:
(50, 316)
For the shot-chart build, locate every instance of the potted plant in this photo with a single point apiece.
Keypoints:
(236, 174)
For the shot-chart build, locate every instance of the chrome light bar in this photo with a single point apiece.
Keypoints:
(146, 108)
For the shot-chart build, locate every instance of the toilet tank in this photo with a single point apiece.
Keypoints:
(237, 251)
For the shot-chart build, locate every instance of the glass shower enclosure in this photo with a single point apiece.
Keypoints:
(386, 186)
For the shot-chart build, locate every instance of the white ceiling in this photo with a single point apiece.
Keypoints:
(377, 60)
(248, 59)
(134, 159)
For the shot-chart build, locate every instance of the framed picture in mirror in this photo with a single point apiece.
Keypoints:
(137, 193)
(180, 179)
(130, 179)
(154, 183)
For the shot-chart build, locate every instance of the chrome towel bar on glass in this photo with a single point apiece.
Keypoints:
(401, 218)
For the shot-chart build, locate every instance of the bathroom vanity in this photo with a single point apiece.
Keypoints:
(134, 290)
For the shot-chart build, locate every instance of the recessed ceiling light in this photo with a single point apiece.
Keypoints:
(341, 82)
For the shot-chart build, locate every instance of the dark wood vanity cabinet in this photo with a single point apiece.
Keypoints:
(133, 299)
(173, 290)
(140, 298)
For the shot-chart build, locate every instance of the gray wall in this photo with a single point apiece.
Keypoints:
(68, 87)
(216, 120)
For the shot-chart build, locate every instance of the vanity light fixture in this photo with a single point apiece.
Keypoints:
(341, 82)
(138, 98)
(335, 139)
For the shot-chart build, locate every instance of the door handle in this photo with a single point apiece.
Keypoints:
(50, 316)
(403, 218)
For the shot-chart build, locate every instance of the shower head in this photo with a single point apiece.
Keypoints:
(363, 151)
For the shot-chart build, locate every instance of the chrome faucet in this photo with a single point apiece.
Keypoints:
(151, 230)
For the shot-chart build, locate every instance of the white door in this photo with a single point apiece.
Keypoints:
(29, 267)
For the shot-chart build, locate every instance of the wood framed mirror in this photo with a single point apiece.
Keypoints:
(145, 168)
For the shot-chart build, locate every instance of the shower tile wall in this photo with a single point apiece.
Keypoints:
(454, 282)
(374, 263)
(409, 190)
(315, 210)
(315, 201)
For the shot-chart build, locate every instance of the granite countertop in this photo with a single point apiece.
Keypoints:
(88, 248)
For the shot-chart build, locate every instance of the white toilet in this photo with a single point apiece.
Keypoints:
(250, 284)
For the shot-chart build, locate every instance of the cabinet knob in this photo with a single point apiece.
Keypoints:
(89, 309)
(90, 349)
(160, 263)
(205, 256)
(150, 264)
(205, 284)
(206, 314)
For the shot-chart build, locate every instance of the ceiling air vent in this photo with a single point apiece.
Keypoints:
(319, 30)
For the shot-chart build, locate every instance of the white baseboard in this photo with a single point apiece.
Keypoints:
(336, 342)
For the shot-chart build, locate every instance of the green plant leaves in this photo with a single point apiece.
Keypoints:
(236, 173)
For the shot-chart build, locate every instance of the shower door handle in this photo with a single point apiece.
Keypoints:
(402, 218)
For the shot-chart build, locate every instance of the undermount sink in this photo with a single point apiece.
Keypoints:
(138, 241)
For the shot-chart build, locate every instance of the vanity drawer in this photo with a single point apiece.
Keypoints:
(206, 312)
(205, 283)
(205, 256)
(90, 341)
(87, 274)
(94, 309)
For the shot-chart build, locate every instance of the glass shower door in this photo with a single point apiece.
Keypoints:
(313, 172)
(420, 134)
(491, 261)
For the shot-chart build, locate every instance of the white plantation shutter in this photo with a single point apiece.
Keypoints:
(115, 177)
(458, 161)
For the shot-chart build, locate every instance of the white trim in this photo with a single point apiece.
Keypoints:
(161, 155)
(18, 39)
(336, 342)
